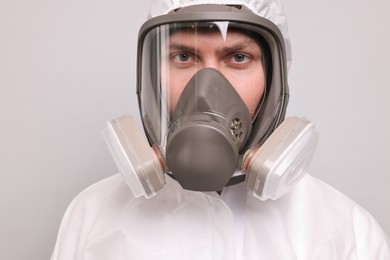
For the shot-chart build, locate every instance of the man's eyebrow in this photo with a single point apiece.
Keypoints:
(238, 46)
(226, 49)
(182, 47)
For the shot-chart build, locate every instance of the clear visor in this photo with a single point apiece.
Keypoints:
(172, 53)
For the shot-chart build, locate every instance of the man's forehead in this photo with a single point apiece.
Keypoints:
(209, 35)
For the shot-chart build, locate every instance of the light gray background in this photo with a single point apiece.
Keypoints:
(68, 66)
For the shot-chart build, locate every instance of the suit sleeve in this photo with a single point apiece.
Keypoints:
(371, 241)
(74, 230)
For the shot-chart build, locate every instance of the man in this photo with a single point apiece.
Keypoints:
(212, 89)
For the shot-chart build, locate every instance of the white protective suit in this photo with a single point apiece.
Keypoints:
(311, 222)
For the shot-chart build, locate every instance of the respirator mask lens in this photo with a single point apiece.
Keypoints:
(171, 54)
(189, 101)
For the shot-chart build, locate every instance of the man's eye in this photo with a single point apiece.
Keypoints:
(239, 58)
(182, 57)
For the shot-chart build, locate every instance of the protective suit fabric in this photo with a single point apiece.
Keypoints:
(312, 221)
(269, 9)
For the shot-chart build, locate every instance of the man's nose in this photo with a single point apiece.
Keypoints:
(212, 63)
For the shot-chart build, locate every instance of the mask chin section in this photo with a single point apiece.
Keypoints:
(275, 167)
(201, 157)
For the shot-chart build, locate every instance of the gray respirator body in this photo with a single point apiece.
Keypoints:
(209, 127)
(206, 138)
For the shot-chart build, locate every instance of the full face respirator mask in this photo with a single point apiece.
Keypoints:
(199, 129)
